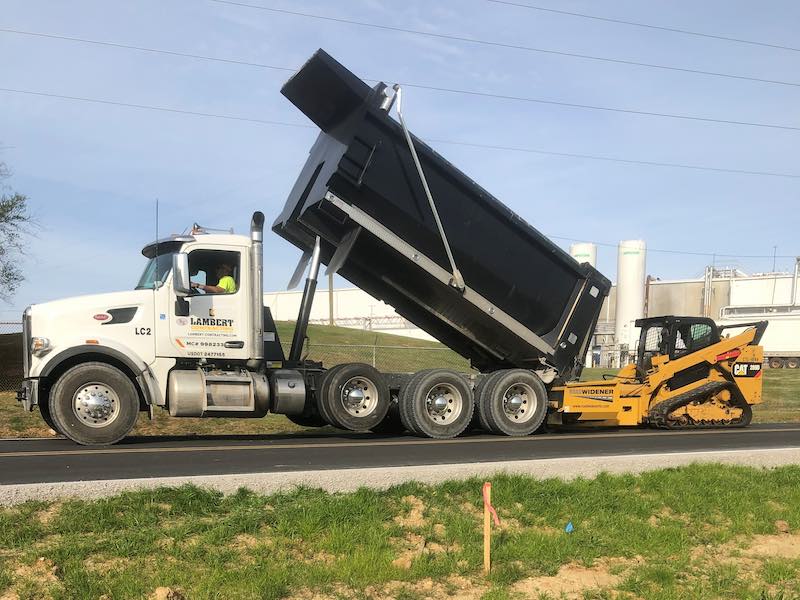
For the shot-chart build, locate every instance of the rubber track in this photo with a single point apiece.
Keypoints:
(657, 415)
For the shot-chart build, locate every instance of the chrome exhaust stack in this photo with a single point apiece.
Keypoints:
(257, 284)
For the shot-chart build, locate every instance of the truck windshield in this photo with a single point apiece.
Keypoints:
(157, 269)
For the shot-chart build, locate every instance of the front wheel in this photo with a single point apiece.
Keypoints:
(94, 404)
(44, 410)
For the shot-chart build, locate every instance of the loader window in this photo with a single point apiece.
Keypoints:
(693, 337)
(654, 341)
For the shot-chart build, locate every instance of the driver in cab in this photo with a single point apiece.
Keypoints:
(225, 282)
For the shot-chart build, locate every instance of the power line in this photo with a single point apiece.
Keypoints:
(145, 49)
(630, 111)
(483, 42)
(683, 252)
(430, 140)
(157, 108)
(617, 160)
(441, 89)
(645, 25)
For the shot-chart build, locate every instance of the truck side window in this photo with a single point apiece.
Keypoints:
(209, 267)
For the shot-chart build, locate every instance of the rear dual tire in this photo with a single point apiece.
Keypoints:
(511, 402)
(437, 403)
(353, 396)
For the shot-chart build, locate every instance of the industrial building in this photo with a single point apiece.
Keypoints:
(726, 295)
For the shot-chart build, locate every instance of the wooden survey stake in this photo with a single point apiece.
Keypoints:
(489, 514)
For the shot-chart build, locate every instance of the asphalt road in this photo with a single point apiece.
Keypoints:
(60, 460)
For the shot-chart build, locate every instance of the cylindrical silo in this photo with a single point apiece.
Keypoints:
(630, 294)
(584, 252)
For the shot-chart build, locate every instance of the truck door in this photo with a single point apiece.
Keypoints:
(213, 323)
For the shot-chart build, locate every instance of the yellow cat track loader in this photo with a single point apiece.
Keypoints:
(686, 375)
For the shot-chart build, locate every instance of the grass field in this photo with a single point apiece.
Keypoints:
(334, 345)
(696, 532)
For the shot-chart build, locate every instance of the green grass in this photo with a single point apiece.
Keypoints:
(694, 532)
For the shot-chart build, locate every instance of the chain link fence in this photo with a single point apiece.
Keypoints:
(10, 355)
(388, 359)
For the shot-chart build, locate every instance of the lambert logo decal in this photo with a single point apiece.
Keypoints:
(211, 324)
(182, 321)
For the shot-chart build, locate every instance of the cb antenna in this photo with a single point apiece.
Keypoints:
(158, 276)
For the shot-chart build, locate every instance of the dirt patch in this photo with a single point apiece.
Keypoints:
(570, 581)
(49, 513)
(103, 564)
(413, 518)
(42, 571)
(782, 527)
(774, 546)
(244, 540)
(667, 514)
(414, 545)
(326, 558)
(166, 593)
(337, 592)
(454, 587)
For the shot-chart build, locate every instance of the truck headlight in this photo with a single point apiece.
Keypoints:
(40, 346)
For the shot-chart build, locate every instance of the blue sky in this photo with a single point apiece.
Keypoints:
(93, 172)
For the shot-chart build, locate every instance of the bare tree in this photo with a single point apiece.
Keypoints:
(14, 221)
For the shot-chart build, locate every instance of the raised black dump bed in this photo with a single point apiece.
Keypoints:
(524, 301)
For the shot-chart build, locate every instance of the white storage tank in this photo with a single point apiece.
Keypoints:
(584, 252)
(631, 269)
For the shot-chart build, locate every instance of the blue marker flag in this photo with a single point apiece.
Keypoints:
(569, 528)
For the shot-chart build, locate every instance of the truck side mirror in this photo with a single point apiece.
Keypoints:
(180, 274)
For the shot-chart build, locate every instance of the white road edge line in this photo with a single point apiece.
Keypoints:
(343, 480)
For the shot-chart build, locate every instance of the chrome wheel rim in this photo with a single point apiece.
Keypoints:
(519, 403)
(359, 397)
(443, 403)
(96, 405)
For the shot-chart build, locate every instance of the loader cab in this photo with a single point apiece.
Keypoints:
(669, 338)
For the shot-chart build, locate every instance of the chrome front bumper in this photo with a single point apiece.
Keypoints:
(28, 394)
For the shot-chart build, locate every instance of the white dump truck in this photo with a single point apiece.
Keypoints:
(383, 209)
